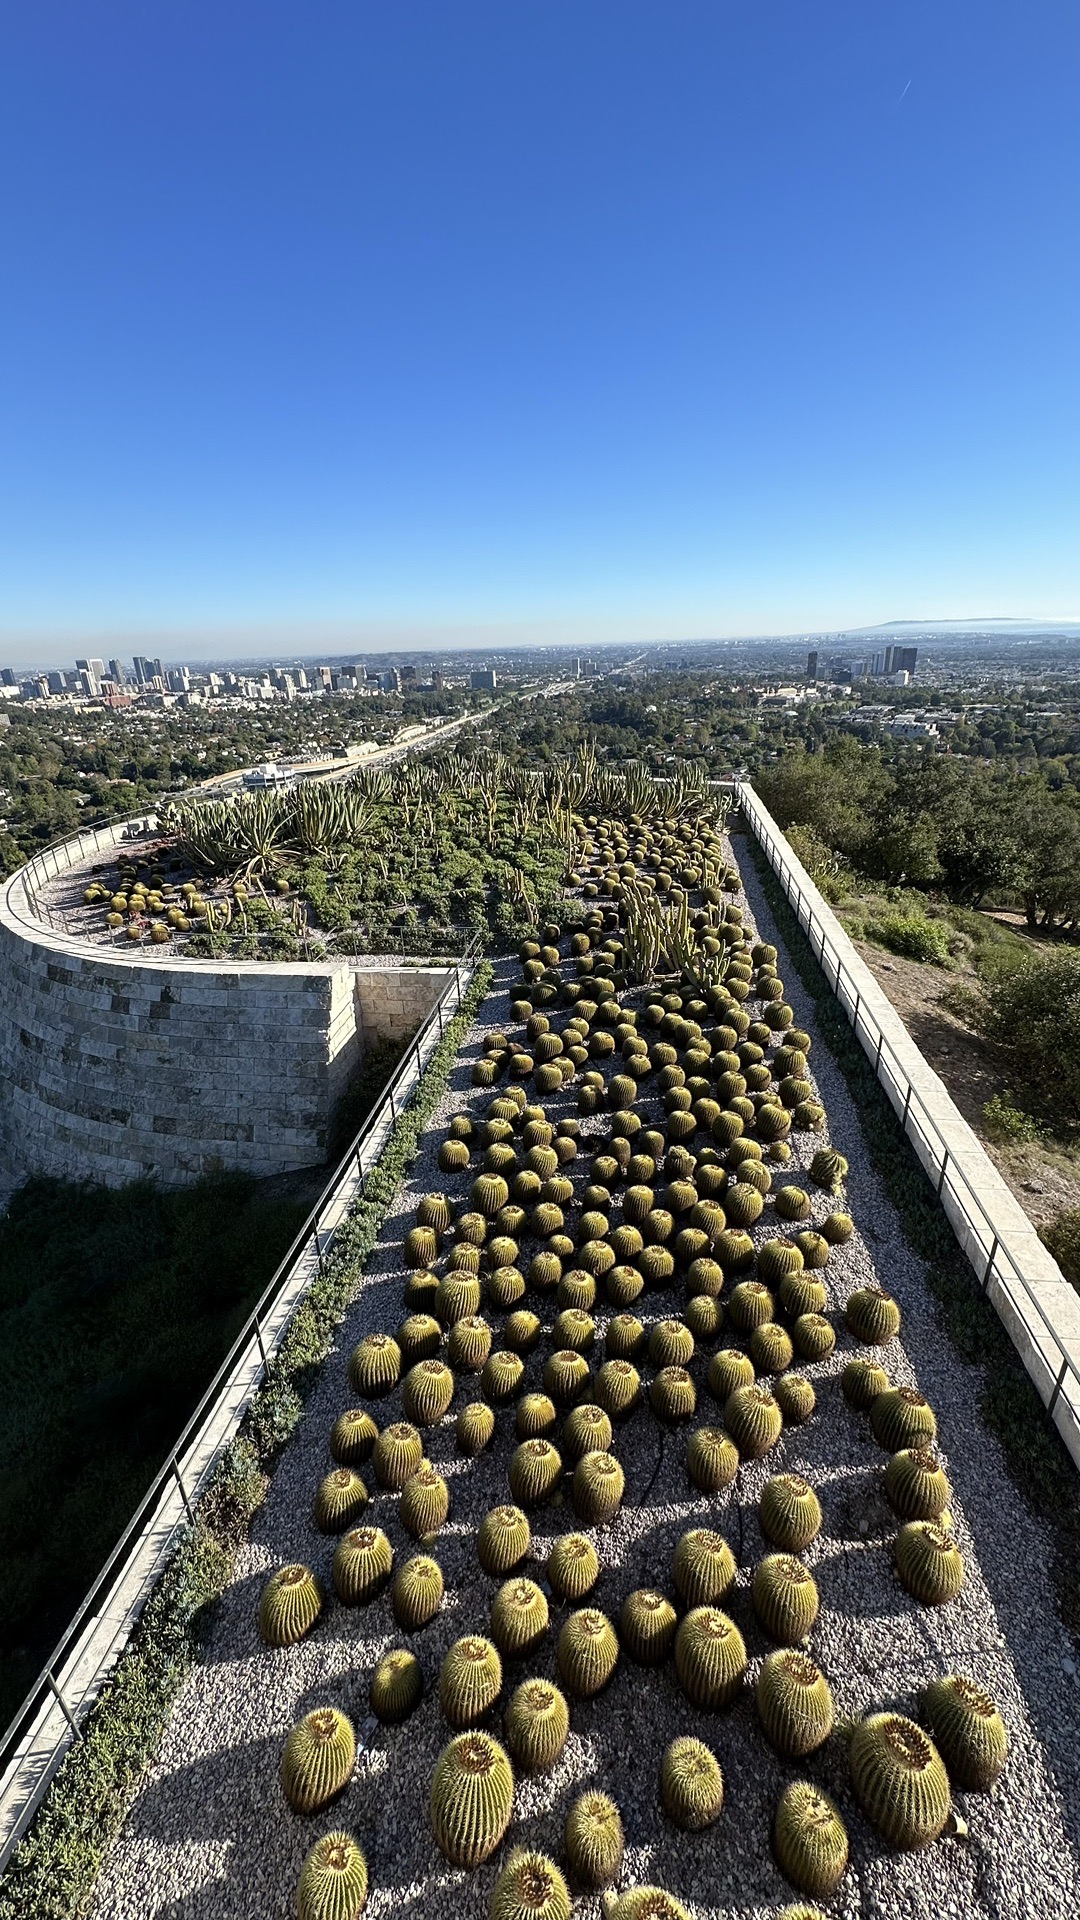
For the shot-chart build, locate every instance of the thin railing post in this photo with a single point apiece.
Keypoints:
(63, 1705)
(259, 1338)
(990, 1264)
(907, 1103)
(941, 1176)
(188, 1509)
(877, 1056)
(1058, 1384)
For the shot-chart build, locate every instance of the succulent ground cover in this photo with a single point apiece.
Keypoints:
(622, 1546)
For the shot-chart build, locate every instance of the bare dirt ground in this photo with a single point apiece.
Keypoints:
(1044, 1178)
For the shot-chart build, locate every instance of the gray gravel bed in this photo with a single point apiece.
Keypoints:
(210, 1834)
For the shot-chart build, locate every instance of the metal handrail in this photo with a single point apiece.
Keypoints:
(949, 1179)
(394, 1097)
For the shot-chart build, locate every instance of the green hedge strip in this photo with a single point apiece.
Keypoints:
(52, 1873)
(1009, 1404)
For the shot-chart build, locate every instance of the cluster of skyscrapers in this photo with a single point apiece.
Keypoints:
(888, 664)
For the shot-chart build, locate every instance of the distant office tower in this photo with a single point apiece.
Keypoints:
(811, 665)
(577, 667)
(7, 677)
(139, 667)
(904, 659)
(116, 672)
(93, 673)
(55, 683)
(483, 680)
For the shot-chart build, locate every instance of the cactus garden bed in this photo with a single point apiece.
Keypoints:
(648, 1574)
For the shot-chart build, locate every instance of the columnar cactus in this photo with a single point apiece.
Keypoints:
(318, 1760)
(537, 1725)
(587, 1652)
(470, 1680)
(333, 1880)
(710, 1658)
(810, 1840)
(968, 1729)
(594, 1840)
(647, 1625)
(790, 1512)
(900, 1780)
(572, 1567)
(691, 1785)
(794, 1703)
(472, 1795)
(397, 1686)
(292, 1601)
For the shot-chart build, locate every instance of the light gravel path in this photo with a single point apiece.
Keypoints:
(210, 1837)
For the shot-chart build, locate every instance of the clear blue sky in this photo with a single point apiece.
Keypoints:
(579, 317)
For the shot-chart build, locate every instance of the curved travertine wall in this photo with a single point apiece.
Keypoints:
(114, 1068)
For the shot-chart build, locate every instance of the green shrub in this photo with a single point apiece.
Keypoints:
(911, 933)
(1062, 1238)
(1033, 1013)
(1009, 1124)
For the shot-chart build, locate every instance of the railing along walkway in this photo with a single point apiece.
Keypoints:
(53, 1713)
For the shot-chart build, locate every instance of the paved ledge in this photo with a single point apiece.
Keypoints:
(1036, 1304)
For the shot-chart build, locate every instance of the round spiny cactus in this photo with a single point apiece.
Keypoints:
(743, 1204)
(340, 1499)
(770, 1348)
(861, 1382)
(472, 1793)
(789, 1512)
(647, 1625)
(572, 1567)
(785, 1597)
(535, 1471)
(586, 1429)
(505, 1287)
(375, 1367)
(705, 1276)
(778, 1260)
(574, 1329)
(465, 1255)
(814, 1336)
(598, 1488)
(576, 1289)
(691, 1785)
(469, 1344)
(751, 1305)
(672, 1395)
(794, 1703)
(397, 1686)
(810, 1840)
(704, 1316)
(453, 1156)
(362, 1566)
(424, 1502)
(333, 1880)
(828, 1169)
(800, 1293)
(728, 1370)
(969, 1731)
(397, 1454)
(427, 1392)
(530, 1887)
(489, 1194)
(710, 1658)
(519, 1617)
(703, 1568)
(457, 1298)
(587, 1652)
(792, 1203)
(838, 1228)
(419, 1338)
(421, 1247)
(795, 1398)
(900, 1417)
(808, 1116)
(671, 1344)
(522, 1331)
(929, 1562)
(537, 1724)
(625, 1337)
(535, 1416)
(814, 1249)
(470, 1680)
(352, 1438)
(318, 1760)
(292, 1601)
(754, 1420)
(900, 1780)
(656, 1265)
(712, 1459)
(594, 1840)
(617, 1386)
(434, 1210)
(915, 1484)
(417, 1592)
(502, 1540)
(872, 1315)
(474, 1428)
(566, 1376)
(501, 1377)
(647, 1903)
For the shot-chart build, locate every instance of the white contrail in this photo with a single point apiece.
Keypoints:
(905, 90)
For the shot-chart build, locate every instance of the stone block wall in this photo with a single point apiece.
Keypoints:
(114, 1068)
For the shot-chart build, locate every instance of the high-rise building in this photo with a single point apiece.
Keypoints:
(904, 659)
(93, 673)
(483, 680)
(116, 672)
(811, 664)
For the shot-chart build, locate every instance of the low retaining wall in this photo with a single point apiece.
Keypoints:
(1038, 1307)
(113, 1069)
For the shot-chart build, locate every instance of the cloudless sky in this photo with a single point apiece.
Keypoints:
(522, 317)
